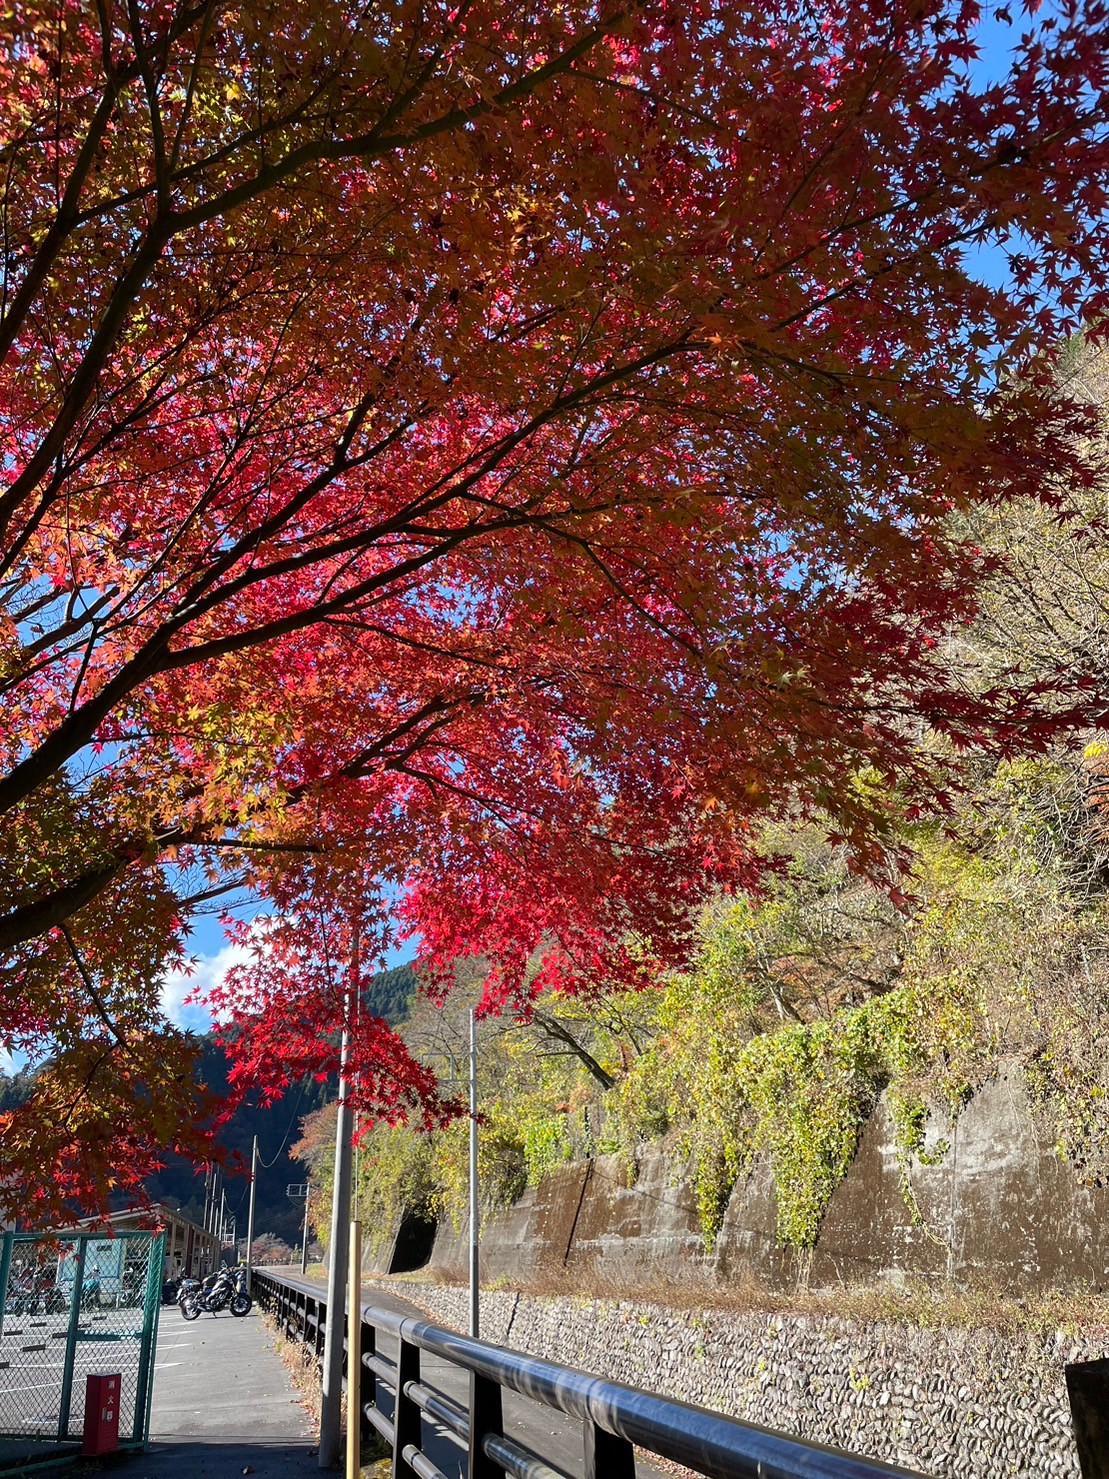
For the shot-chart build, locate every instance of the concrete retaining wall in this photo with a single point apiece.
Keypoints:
(999, 1208)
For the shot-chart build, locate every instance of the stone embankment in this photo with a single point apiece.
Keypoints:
(945, 1401)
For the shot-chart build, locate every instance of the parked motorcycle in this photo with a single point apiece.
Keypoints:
(225, 1289)
(34, 1293)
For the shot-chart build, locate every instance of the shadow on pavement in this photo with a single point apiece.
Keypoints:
(189, 1458)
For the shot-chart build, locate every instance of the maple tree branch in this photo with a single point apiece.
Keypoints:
(55, 905)
(90, 986)
(372, 145)
(350, 619)
(51, 909)
(207, 16)
(217, 891)
(67, 217)
(84, 1089)
(64, 218)
(453, 487)
(154, 112)
(80, 384)
(254, 845)
(69, 627)
(156, 655)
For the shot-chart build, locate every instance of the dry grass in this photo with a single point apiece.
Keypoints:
(915, 1302)
(301, 1366)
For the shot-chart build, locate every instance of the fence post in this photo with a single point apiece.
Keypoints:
(71, 1338)
(606, 1455)
(5, 1274)
(406, 1415)
(485, 1418)
(144, 1386)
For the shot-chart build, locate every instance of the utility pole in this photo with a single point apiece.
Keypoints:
(250, 1214)
(213, 1202)
(474, 1214)
(207, 1195)
(304, 1240)
(331, 1396)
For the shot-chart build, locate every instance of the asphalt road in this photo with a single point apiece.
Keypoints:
(224, 1404)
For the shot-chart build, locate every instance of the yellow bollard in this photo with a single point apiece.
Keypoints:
(354, 1354)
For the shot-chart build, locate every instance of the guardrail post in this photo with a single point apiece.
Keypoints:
(485, 1418)
(369, 1376)
(1088, 1390)
(606, 1455)
(406, 1415)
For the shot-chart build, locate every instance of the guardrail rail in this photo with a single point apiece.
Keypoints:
(615, 1419)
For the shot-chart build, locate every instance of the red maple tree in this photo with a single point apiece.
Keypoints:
(495, 453)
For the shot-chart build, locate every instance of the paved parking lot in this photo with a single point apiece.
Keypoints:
(224, 1404)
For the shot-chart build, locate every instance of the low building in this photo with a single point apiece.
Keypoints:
(191, 1252)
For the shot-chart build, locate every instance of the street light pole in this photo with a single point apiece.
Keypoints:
(332, 1393)
(474, 1214)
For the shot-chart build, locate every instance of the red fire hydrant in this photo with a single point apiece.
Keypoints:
(102, 1394)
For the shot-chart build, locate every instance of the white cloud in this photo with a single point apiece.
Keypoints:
(209, 971)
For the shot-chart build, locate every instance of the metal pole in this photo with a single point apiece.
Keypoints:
(354, 1354)
(5, 1273)
(71, 1338)
(250, 1214)
(207, 1196)
(144, 1387)
(304, 1240)
(474, 1214)
(332, 1385)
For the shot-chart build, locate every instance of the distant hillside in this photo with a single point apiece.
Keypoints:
(390, 994)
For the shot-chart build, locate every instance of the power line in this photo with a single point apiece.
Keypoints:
(266, 1165)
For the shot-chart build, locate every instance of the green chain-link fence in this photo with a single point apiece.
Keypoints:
(74, 1304)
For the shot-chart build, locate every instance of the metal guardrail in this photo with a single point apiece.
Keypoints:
(615, 1418)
